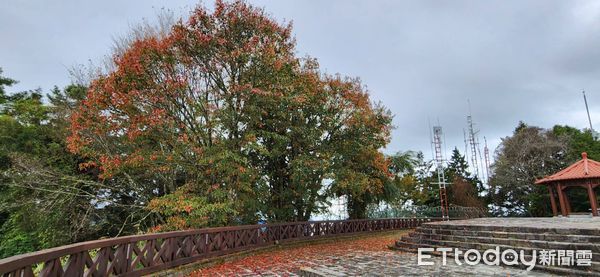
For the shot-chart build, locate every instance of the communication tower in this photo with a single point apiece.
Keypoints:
(473, 143)
(486, 154)
(439, 164)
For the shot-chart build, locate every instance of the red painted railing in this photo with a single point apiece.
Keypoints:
(143, 254)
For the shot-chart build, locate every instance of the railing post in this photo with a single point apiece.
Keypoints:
(318, 228)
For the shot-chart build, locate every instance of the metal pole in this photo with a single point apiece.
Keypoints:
(588, 113)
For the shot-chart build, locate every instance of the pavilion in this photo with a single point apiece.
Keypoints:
(585, 174)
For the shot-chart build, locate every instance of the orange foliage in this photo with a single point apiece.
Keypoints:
(220, 103)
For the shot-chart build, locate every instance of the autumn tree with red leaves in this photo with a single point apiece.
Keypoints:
(229, 125)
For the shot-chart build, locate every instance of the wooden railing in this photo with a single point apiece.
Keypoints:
(143, 254)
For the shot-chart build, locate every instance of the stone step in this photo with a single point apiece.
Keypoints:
(511, 235)
(506, 245)
(539, 244)
(566, 271)
(467, 243)
(520, 229)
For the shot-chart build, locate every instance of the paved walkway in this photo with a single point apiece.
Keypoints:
(384, 263)
(367, 256)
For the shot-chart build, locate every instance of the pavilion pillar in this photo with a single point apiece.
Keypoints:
(593, 201)
(561, 199)
(552, 200)
(567, 201)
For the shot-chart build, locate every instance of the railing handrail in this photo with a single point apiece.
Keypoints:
(23, 261)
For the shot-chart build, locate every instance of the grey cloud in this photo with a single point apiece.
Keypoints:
(514, 60)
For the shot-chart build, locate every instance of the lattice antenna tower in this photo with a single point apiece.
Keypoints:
(484, 175)
(439, 164)
(473, 143)
(486, 154)
(466, 153)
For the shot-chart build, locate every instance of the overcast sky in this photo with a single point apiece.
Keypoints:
(514, 60)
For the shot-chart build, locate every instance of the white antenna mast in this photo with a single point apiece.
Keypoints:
(486, 154)
(466, 154)
(594, 135)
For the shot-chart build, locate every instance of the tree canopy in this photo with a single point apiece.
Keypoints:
(529, 154)
(231, 125)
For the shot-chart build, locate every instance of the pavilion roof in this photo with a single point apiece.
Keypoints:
(582, 169)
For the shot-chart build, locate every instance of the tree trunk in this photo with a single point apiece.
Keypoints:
(356, 209)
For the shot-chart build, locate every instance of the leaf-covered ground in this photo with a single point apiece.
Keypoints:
(288, 260)
(352, 257)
